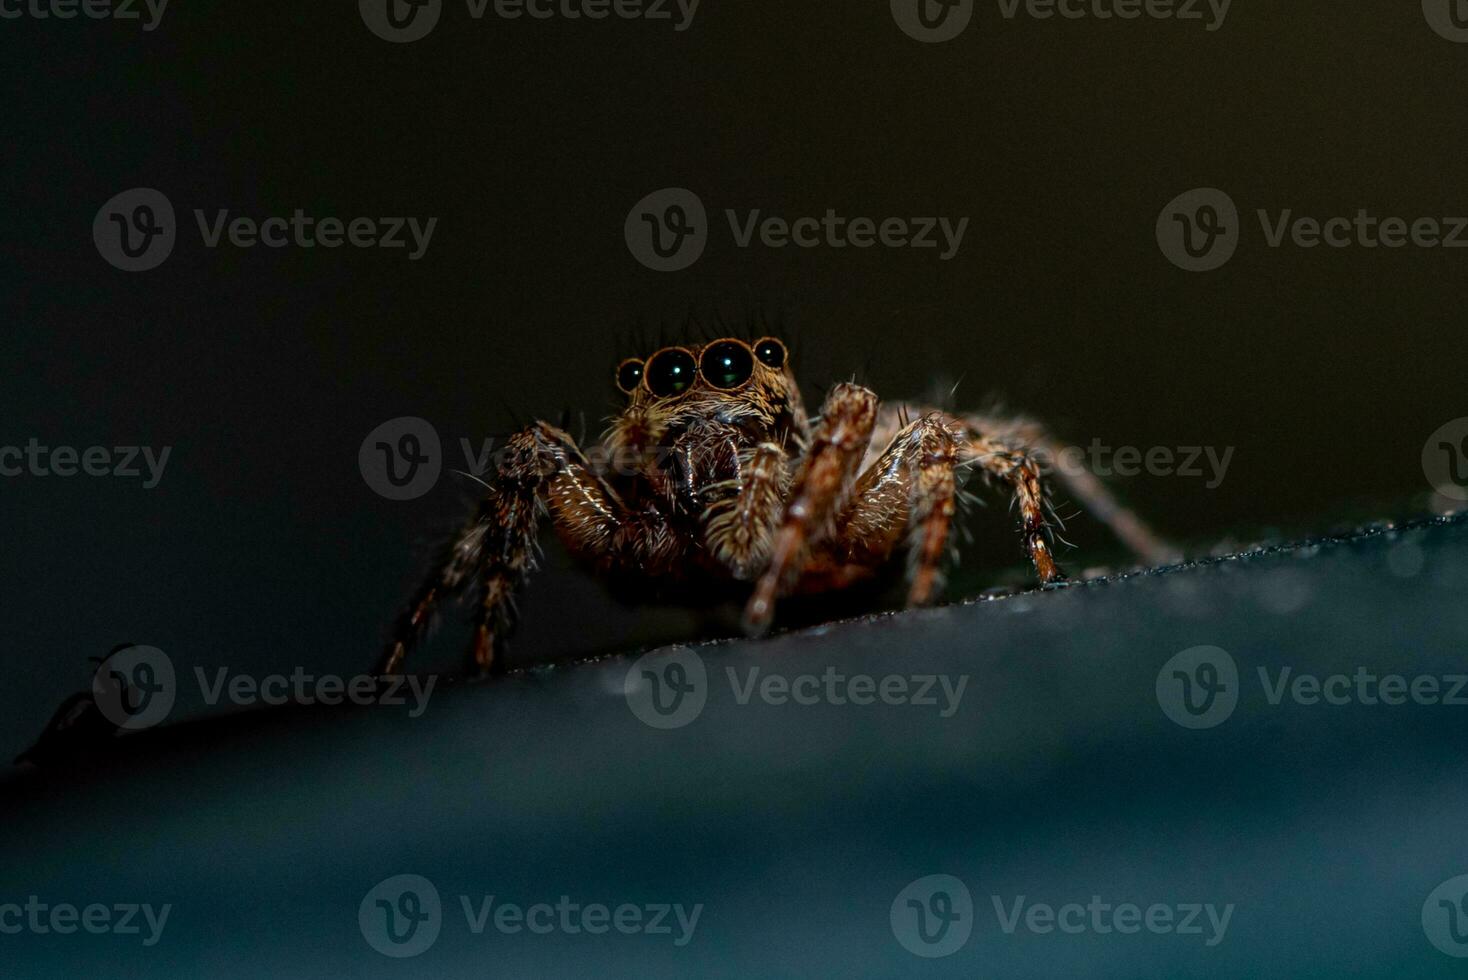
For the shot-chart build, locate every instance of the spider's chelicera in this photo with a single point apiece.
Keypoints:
(732, 483)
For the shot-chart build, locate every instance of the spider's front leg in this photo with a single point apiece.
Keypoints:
(910, 490)
(820, 489)
(542, 468)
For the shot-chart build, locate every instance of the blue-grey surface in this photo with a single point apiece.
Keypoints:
(1323, 832)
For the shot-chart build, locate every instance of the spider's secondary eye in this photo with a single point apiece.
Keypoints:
(770, 351)
(671, 372)
(726, 364)
(629, 376)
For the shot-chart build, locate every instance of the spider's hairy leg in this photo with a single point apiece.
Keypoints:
(541, 468)
(910, 489)
(1011, 462)
(739, 524)
(1085, 486)
(451, 573)
(819, 491)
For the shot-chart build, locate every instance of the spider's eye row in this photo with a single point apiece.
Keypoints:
(671, 372)
(629, 376)
(770, 352)
(726, 364)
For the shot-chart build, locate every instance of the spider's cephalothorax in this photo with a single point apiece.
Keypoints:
(712, 471)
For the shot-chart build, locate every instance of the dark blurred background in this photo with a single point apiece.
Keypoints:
(263, 548)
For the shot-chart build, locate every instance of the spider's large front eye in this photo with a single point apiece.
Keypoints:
(629, 376)
(671, 372)
(726, 364)
(771, 352)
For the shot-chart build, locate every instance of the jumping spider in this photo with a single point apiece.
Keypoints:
(730, 483)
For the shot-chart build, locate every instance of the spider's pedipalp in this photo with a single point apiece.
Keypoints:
(739, 522)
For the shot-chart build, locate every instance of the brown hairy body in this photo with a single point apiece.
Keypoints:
(713, 472)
